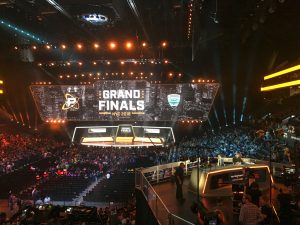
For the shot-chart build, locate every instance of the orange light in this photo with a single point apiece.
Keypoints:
(166, 61)
(80, 63)
(122, 62)
(48, 46)
(40, 64)
(170, 74)
(128, 45)
(94, 63)
(63, 46)
(112, 45)
(34, 47)
(96, 45)
(164, 44)
(79, 46)
(108, 62)
(144, 44)
(68, 63)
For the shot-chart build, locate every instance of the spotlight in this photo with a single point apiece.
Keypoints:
(108, 62)
(80, 63)
(122, 62)
(96, 45)
(40, 64)
(63, 46)
(68, 63)
(144, 44)
(79, 46)
(16, 48)
(34, 47)
(112, 45)
(94, 63)
(128, 45)
(164, 44)
(48, 47)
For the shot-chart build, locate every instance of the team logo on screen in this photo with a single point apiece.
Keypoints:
(174, 100)
(71, 102)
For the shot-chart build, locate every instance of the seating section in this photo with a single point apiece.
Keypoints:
(61, 188)
(118, 188)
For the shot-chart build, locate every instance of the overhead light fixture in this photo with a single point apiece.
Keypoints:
(96, 45)
(128, 45)
(112, 45)
(282, 72)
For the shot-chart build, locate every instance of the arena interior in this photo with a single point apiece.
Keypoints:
(157, 112)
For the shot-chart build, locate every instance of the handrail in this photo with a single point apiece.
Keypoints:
(180, 218)
(155, 193)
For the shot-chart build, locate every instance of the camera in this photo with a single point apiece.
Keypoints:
(208, 217)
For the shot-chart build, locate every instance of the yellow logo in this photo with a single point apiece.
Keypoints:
(71, 102)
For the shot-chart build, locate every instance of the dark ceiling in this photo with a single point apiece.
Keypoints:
(232, 41)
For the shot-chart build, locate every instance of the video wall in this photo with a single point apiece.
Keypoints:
(125, 100)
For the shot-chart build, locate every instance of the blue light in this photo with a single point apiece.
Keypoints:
(20, 31)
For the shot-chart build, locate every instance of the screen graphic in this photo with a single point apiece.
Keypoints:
(127, 100)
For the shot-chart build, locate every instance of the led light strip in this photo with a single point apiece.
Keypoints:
(282, 85)
(279, 73)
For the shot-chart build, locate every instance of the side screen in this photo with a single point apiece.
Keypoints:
(127, 100)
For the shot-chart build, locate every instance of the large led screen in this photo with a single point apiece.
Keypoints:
(126, 100)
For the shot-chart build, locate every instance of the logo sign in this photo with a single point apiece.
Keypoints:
(71, 102)
(174, 100)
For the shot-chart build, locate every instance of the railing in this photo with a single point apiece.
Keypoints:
(156, 174)
(159, 209)
(145, 177)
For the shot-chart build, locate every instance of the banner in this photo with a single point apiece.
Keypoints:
(125, 100)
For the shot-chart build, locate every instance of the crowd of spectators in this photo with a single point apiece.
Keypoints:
(19, 149)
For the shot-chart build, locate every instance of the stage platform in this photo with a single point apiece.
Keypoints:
(167, 192)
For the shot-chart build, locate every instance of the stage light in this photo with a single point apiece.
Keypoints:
(112, 45)
(281, 85)
(94, 63)
(179, 74)
(166, 61)
(48, 47)
(63, 46)
(108, 62)
(152, 61)
(144, 44)
(135, 62)
(131, 73)
(122, 62)
(128, 45)
(151, 74)
(1, 92)
(52, 64)
(96, 45)
(82, 75)
(285, 71)
(170, 74)
(79, 46)
(40, 64)
(68, 63)
(34, 47)
(80, 63)
(164, 44)
(15, 48)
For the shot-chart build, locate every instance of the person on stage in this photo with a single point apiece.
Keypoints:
(179, 175)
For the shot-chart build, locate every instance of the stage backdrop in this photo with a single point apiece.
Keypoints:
(125, 100)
